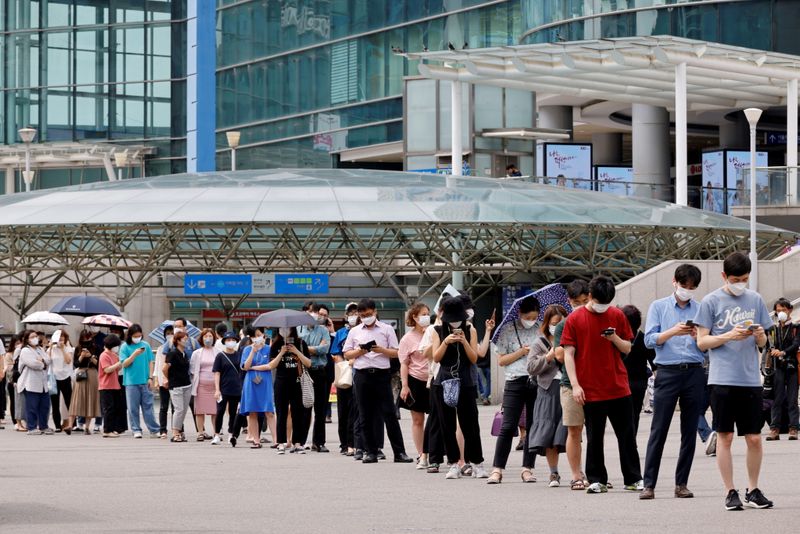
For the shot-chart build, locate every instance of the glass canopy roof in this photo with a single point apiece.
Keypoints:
(343, 196)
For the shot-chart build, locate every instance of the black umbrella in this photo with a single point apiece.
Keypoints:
(284, 319)
(85, 306)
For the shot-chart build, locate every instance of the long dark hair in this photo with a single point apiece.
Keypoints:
(26, 335)
(553, 309)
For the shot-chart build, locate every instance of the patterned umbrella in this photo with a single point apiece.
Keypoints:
(552, 294)
(46, 318)
(107, 320)
(158, 332)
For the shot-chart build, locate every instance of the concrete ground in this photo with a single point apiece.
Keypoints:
(84, 483)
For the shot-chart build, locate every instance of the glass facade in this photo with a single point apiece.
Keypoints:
(100, 70)
(303, 78)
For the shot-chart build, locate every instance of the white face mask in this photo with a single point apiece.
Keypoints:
(115, 350)
(470, 314)
(369, 321)
(230, 344)
(258, 340)
(314, 316)
(737, 289)
(423, 320)
(683, 294)
(552, 330)
(34, 342)
(599, 308)
(208, 341)
(782, 316)
(352, 320)
(178, 330)
(526, 324)
(137, 339)
(284, 332)
(169, 339)
(456, 324)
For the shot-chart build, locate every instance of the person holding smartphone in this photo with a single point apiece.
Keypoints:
(257, 387)
(414, 376)
(138, 362)
(289, 356)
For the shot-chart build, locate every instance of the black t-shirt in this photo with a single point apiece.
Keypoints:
(455, 361)
(230, 378)
(288, 366)
(636, 361)
(178, 374)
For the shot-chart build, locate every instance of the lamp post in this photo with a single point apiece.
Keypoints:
(233, 143)
(753, 114)
(27, 134)
(121, 159)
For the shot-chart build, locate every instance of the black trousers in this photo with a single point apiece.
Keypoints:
(3, 399)
(288, 393)
(785, 389)
(433, 442)
(113, 410)
(672, 386)
(163, 408)
(620, 413)
(467, 413)
(344, 404)
(322, 394)
(12, 403)
(65, 389)
(516, 396)
(638, 390)
(231, 402)
(240, 422)
(373, 391)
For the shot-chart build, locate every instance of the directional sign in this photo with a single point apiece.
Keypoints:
(218, 284)
(263, 284)
(301, 284)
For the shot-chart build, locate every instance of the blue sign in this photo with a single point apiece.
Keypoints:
(776, 138)
(218, 284)
(511, 294)
(301, 284)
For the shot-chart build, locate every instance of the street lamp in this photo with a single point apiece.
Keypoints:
(753, 114)
(27, 134)
(121, 159)
(233, 143)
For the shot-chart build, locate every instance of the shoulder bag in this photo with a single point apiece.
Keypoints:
(306, 386)
(344, 375)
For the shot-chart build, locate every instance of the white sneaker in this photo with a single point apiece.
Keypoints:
(478, 471)
(597, 487)
(711, 448)
(281, 449)
(137, 435)
(555, 480)
(216, 440)
(453, 472)
(423, 464)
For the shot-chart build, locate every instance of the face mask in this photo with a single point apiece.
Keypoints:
(115, 350)
(284, 332)
(315, 316)
(782, 317)
(552, 330)
(169, 339)
(424, 320)
(322, 320)
(737, 289)
(470, 314)
(352, 320)
(137, 339)
(457, 324)
(208, 341)
(230, 344)
(258, 340)
(34, 342)
(600, 308)
(526, 324)
(683, 294)
(178, 330)
(369, 321)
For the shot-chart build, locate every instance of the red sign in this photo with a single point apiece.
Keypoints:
(238, 314)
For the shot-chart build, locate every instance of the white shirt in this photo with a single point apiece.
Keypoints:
(61, 369)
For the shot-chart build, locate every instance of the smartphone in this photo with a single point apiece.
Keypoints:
(290, 341)
(609, 331)
(690, 323)
(753, 327)
(410, 400)
(457, 332)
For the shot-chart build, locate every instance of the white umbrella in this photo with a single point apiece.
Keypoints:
(45, 317)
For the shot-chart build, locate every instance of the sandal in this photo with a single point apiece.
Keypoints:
(206, 436)
(200, 437)
(527, 476)
(577, 485)
(466, 470)
(496, 477)
(176, 439)
(256, 446)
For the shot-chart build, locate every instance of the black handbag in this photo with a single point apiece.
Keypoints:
(81, 375)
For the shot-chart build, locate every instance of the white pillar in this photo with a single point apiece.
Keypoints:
(791, 140)
(10, 185)
(753, 249)
(651, 154)
(681, 171)
(456, 156)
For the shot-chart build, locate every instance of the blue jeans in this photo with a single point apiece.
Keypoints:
(703, 430)
(37, 409)
(484, 382)
(140, 396)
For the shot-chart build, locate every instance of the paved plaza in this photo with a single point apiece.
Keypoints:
(90, 484)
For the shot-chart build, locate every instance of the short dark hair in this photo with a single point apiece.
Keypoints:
(135, 328)
(249, 331)
(634, 316)
(220, 329)
(307, 305)
(783, 302)
(737, 264)
(111, 341)
(366, 304)
(602, 289)
(351, 308)
(168, 328)
(318, 307)
(688, 274)
(183, 320)
(529, 304)
(577, 287)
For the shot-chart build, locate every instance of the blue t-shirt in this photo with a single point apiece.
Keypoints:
(736, 363)
(139, 371)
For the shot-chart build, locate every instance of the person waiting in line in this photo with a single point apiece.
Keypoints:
(680, 378)
(176, 368)
(138, 363)
(160, 379)
(513, 346)
(318, 340)
(344, 397)
(61, 354)
(372, 344)
(33, 365)
(547, 436)
(85, 397)
(784, 341)
(202, 363)
(227, 386)
(257, 387)
(220, 329)
(638, 363)
(455, 349)
(11, 372)
(594, 339)
(289, 355)
(111, 393)
(414, 375)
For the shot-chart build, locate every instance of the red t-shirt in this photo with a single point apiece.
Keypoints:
(598, 363)
(107, 380)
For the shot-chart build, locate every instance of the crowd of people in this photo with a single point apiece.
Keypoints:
(575, 365)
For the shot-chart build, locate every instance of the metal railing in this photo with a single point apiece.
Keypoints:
(775, 186)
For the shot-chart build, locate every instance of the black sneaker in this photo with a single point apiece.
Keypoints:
(732, 501)
(381, 455)
(756, 499)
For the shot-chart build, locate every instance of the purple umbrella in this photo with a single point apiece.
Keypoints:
(552, 294)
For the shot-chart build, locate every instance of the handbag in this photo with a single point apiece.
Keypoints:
(497, 425)
(344, 375)
(306, 388)
(452, 391)
(52, 384)
(81, 375)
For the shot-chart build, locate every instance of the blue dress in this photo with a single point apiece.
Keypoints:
(257, 398)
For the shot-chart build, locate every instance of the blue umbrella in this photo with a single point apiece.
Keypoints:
(552, 294)
(85, 306)
(158, 332)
